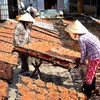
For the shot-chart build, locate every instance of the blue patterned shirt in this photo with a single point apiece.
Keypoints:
(90, 46)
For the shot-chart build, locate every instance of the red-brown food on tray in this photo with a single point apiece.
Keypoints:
(39, 83)
(62, 89)
(40, 97)
(6, 42)
(6, 71)
(51, 86)
(19, 85)
(49, 42)
(32, 86)
(48, 92)
(4, 57)
(26, 80)
(3, 90)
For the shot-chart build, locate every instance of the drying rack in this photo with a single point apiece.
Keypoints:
(56, 61)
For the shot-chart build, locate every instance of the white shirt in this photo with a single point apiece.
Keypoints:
(21, 5)
(31, 9)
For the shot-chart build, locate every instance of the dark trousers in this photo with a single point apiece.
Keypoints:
(87, 89)
(24, 61)
(32, 14)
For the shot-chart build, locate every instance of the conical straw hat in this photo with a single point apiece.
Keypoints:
(76, 28)
(26, 17)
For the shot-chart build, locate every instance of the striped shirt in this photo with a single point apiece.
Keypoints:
(90, 46)
(21, 35)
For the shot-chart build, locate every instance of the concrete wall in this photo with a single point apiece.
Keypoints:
(60, 4)
(26, 3)
(90, 9)
(87, 8)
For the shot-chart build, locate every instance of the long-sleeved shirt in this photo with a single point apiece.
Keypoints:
(89, 46)
(21, 35)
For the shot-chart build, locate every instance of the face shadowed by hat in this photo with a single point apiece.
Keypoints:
(76, 28)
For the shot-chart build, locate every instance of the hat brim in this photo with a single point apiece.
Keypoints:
(76, 28)
(70, 31)
(26, 17)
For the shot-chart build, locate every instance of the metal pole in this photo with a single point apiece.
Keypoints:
(17, 7)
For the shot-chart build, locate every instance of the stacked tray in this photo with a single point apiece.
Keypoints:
(44, 56)
(6, 71)
(7, 59)
(6, 46)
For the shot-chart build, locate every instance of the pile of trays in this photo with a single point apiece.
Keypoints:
(6, 71)
(8, 60)
(6, 46)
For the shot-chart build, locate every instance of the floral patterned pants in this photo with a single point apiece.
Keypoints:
(91, 70)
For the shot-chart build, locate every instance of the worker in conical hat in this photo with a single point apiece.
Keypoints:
(90, 49)
(76, 28)
(22, 36)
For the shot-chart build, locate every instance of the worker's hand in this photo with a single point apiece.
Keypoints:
(80, 64)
